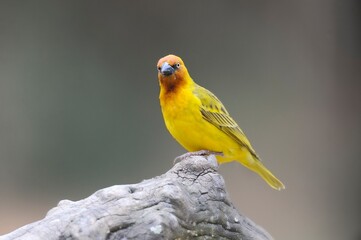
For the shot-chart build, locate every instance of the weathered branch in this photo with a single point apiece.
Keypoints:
(187, 202)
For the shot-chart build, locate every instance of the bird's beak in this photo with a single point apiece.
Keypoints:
(166, 69)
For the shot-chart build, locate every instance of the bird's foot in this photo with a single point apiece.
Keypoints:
(198, 153)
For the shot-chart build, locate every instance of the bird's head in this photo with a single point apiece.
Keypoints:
(172, 72)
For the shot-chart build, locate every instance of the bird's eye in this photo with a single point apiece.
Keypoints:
(159, 68)
(176, 66)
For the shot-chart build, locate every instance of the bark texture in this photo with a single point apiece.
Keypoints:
(188, 202)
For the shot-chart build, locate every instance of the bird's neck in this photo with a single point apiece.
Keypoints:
(174, 84)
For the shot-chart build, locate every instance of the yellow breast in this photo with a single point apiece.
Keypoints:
(183, 119)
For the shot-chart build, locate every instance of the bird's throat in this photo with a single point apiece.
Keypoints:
(171, 85)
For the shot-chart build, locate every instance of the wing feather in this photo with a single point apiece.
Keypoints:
(215, 113)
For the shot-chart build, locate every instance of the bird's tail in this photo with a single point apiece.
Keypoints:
(259, 168)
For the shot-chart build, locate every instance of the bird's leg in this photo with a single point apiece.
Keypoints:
(198, 153)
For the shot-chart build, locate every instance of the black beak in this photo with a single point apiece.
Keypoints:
(166, 69)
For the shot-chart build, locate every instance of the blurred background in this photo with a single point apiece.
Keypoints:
(79, 107)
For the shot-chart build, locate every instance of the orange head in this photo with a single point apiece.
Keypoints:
(172, 73)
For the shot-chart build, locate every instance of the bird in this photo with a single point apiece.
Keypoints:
(198, 120)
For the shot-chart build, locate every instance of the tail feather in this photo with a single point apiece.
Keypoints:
(253, 163)
(259, 168)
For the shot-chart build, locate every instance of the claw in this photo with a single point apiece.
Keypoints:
(198, 153)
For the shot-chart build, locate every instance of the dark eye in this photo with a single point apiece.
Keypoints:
(176, 66)
(159, 68)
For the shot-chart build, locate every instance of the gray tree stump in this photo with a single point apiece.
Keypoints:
(187, 202)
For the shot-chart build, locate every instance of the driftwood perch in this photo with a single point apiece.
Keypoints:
(187, 202)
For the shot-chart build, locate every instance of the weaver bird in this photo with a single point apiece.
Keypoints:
(198, 120)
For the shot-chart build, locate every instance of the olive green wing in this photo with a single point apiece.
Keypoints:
(215, 113)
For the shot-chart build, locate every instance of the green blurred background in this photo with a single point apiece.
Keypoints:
(79, 106)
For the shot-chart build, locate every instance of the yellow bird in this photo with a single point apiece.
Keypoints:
(198, 120)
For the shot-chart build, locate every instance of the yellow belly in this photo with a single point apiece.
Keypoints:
(184, 121)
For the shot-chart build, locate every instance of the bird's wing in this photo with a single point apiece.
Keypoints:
(215, 113)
